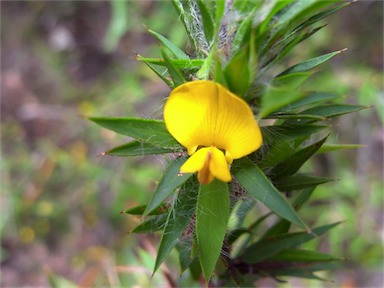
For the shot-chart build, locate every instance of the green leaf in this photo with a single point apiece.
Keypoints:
(257, 184)
(282, 141)
(139, 210)
(177, 63)
(237, 73)
(282, 226)
(336, 147)
(146, 130)
(169, 182)
(292, 80)
(208, 22)
(186, 258)
(310, 64)
(298, 255)
(289, 18)
(184, 18)
(277, 97)
(177, 52)
(312, 98)
(243, 32)
(319, 16)
(329, 111)
(268, 247)
(152, 224)
(178, 220)
(211, 223)
(293, 163)
(137, 148)
(299, 181)
(173, 71)
(277, 133)
(159, 71)
(293, 118)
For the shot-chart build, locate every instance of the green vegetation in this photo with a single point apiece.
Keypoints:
(61, 204)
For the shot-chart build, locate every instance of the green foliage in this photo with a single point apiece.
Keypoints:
(244, 49)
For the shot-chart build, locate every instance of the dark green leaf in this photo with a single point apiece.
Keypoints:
(211, 223)
(277, 133)
(146, 130)
(307, 270)
(152, 224)
(169, 182)
(310, 64)
(282, 226)
(257, 184)
(297, 255)
(329, 111)
(139, 210)
(299, 181)
(186, 258)
(312, 98)
(137, 148)
(268, 247)
(292, 164)
(178, 220)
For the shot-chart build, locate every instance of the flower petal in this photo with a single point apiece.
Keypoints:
(204, 113)
(196, 162)
(218, 165)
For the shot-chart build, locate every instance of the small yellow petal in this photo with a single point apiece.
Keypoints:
(218, 165)
(196, 162)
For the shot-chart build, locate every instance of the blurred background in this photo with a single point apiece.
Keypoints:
(60, 204)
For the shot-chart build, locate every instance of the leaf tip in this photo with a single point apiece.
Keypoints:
(101, 154)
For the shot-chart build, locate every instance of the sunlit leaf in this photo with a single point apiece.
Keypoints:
(177, 63)
(336, 147)
(177, 52)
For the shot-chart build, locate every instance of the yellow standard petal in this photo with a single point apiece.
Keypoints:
(204, 113)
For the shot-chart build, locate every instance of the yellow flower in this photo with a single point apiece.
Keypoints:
(214, 125)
